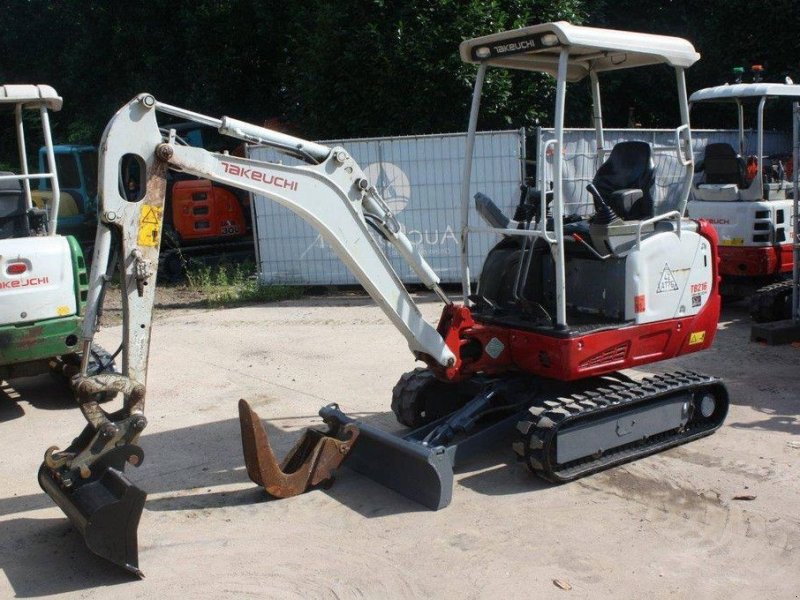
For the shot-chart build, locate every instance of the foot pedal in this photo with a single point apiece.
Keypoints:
(310, 463)
(106, 512)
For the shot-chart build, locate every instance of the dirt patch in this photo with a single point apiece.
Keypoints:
(666, 526)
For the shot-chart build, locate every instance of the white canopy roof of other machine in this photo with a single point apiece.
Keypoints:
(536, 48)
(740, 91)
(35, 95)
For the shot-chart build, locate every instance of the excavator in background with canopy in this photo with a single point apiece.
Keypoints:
(43, 275)
(749, 201)
(532, 356)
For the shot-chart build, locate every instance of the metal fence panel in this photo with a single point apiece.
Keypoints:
(420, 179)
(580, 159)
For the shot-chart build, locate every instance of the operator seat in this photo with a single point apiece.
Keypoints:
(13, 214)
(722, 165)
(626, 181)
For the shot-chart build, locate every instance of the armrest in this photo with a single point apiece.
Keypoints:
(624, 199)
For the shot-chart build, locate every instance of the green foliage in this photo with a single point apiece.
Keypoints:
(357, 67)
(228, 284)
(396, 69)
(726, 33)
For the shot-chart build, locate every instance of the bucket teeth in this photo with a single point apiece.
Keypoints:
(311, 462)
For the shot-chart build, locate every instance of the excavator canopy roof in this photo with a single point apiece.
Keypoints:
(742, 91)
(30, 95)
(537, 48)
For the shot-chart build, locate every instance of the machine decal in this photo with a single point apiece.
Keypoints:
(697, 337)
(62, 311)
(699, 288)
(392, 183)
(667, 282)
(732, 242)
(515, 45)
(149, 224)
(639, 303)
(494, 348)
(257, 175)
(697, 300)
(21, 283)
(229, 228)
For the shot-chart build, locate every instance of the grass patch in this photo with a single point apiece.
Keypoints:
(231, 284)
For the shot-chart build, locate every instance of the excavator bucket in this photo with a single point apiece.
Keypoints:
(310, 463)
(105, 510)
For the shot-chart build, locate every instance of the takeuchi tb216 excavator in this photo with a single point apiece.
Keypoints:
(533, 356)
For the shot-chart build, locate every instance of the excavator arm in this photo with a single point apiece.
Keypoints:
(329, 191)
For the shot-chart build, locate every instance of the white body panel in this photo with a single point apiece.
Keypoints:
(739, 91)
(761, 223)
(46, 289)
(34, 95)
(670, 274)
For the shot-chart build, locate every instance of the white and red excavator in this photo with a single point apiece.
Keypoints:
(533, 355)
(749, 200)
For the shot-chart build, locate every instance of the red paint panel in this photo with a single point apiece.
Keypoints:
(567, 359)
(201, 210)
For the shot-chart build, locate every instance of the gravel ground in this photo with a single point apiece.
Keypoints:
(665, 526)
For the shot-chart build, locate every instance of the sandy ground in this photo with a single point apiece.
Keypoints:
(665, 527)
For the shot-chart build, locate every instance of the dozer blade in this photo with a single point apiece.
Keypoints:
(418, 472)
(311, 462)
(105, 510)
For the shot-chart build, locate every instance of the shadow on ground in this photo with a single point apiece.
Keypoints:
(189, 469)
(772, 395)
(42, 557)
(44, 392)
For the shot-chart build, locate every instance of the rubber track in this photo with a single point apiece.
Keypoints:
(540, 428)
(770, 303)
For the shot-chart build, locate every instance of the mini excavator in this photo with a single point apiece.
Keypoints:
(533, 356)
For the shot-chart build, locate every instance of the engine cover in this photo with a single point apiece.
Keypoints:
(36, 279)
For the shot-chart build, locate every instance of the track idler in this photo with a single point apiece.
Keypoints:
(312, 462)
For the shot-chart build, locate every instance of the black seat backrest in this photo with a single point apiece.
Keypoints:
(722, 165)
(13, 213)
(629, 166)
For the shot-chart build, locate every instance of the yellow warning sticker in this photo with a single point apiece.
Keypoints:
(62, 311)
(697, 337)
(732, 242)
(150, 225)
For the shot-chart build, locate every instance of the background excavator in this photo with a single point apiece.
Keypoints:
(749, 201)
(563, 303)
(202, 221)
(43, 275)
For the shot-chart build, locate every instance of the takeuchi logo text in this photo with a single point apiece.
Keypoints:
(21, 283)
(261, 176)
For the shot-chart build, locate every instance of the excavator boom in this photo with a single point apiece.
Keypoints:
(329, 191)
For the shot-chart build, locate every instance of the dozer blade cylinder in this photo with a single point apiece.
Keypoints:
(418, 472)
(105, 511)
(311, 462)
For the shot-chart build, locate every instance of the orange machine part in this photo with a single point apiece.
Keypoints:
(201, 211)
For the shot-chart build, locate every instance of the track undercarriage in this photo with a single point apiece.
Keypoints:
(566, 431)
